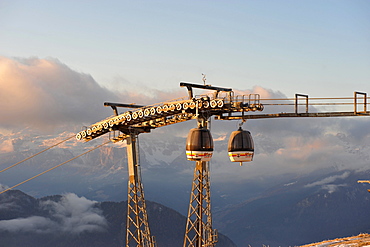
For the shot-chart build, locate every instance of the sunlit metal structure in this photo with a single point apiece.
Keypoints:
(223, 105)
(364, 182)
(199, 148)
(142, 119)
(137, 225)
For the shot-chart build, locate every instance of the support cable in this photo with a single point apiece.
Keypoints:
(38, 175)
(36, 154)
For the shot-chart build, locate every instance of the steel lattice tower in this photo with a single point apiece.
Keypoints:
(199, 230)
(137, 230)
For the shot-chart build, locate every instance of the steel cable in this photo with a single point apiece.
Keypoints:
(38, 175)
(36, 154)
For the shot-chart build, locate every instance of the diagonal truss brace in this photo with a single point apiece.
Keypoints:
(137, 228)
(199, 232)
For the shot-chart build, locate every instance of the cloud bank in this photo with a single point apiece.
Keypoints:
(328, 180)
(296, 146)
(72, 214)
(45, 93)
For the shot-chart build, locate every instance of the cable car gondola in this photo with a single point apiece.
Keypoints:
(199, 145)
(241, 146)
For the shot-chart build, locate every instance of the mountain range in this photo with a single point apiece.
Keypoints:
(302, 211)
(69, 220)
(296, 191)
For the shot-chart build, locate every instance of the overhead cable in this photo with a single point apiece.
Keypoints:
(38, 175)
(36, 154)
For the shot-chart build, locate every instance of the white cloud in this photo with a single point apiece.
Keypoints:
(332, 187)
(327, 181)
(36, 224)
(6, 146)
(44, 93)
(220, 138)
(296, 146)
(76, 214)
(72, 214)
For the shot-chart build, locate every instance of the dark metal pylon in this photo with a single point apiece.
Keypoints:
(137, 230)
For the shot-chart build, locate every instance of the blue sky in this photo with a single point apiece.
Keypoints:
(320, 48)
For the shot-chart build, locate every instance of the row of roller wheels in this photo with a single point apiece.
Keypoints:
(148, 112)
(256, 107)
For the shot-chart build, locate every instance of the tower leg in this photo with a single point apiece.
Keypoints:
(199, 232)
(137, 228)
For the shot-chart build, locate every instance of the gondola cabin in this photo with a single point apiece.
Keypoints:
(241, 146)
(199, 145)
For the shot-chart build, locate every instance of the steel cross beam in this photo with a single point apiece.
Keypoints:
(292, 115)
(115, 105)
(190, 87)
